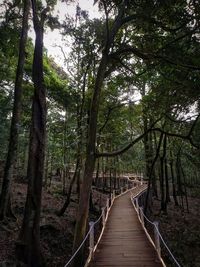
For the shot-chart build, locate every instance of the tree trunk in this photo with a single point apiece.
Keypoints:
(46, 171)
(173, 183)
(14, 130)
(67, 202)
(151, 171)
(28, 247)
(64, 174)
(51, 168)
(146, 140)
(179, 180)
(97, 183)
(162, 189)
(167, 196)
(83, 208)
(185, 187)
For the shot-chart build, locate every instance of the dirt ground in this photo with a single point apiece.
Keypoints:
(56, 232)
(181, 231)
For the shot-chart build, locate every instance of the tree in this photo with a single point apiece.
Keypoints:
(5, 200)
(28, 246)
(83, 209)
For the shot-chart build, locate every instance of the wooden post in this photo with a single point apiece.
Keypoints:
(113, 194)
(121, 190)
(103, 216)
(157, 238)
(126, 183)
(91, 247)
(137, 205)
(107, 204)
(141, 215)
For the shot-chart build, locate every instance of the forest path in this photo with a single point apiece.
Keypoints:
(124, 242)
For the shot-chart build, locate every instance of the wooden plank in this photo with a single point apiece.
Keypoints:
(124, 243)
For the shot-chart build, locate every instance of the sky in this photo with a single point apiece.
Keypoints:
(53, 39)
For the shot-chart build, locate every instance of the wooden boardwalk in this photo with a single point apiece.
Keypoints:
(124, 242)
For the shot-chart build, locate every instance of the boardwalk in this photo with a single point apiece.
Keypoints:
(124, 243)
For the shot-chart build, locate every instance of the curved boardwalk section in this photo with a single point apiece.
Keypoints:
(124, 242)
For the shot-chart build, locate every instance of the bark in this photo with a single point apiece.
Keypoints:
(151, 171)
(80, 115)
(173, 183)
(179, 181)
(185, 187)
(146, 137)
(28, 246)
(162, 189)
(25, 165)
(167, 196)
(16, 114)
(46, 172)
(64, 154)
(97, 183)
(51, 168)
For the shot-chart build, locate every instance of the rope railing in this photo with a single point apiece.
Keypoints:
(157, 235)
(91, 232)
(76, 252)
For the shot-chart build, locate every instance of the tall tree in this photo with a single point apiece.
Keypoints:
(14, 129)
(83, 208)
(28, 246)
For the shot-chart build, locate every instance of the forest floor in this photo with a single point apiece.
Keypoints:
(181, 230)
(56, 232)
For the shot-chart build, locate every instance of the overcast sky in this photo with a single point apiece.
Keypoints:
(53, 38)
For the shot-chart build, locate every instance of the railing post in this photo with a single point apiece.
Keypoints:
(157, 238)
(91, 237)
(121, 190)
(107, 204)
(111, 198)
(113, 194)
(103, 216)
(127, 184)
(141, 215)
(141, 179)
(137, 205)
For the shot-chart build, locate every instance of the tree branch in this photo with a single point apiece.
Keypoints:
(139, 138)
(127, 147)
(149, 56)
(130, 50)
(179, 121)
